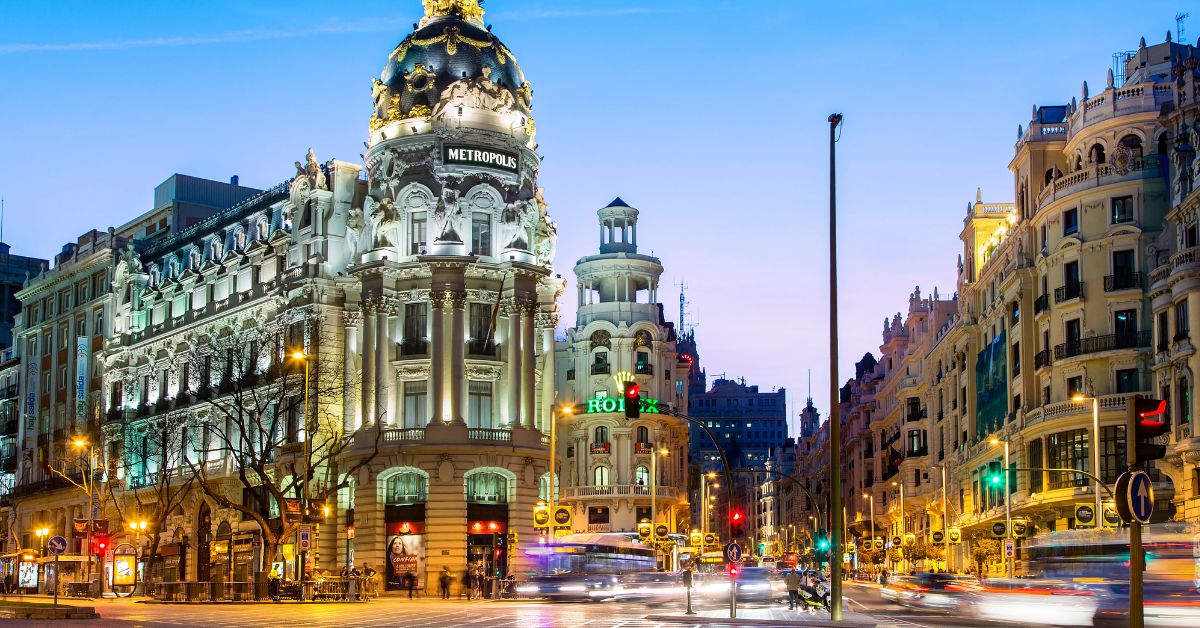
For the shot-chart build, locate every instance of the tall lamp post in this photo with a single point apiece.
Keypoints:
(566, 410)
(654, 496)
(303, 357)
(1099, 516)
(704, 505)
(88, 481)
(871, 498)
(835, 427)
(41, 534)
(1008, 562)
(137, 528)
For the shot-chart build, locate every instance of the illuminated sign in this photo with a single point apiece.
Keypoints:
(617, 404)
(472, 156)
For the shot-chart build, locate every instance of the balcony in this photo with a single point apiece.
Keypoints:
(403, 434)
(643, 448)
(1041, 304)
(600, 448)
(622, 490)
(481, 347)
(917, 415)
(1125, 281)
(414, 346)
(480, 433)
(644, 369)
(1097, 344)
(920, 451)
(1068, 292)
(10, 392)
(11, 427)
(601, 369)
(1043, 359)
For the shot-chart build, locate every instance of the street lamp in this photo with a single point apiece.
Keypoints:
(903, 559)
(303, 357)
(705, 507)
(137, 528)
(1099, 516)
(88, 479)
(945, 520)
(654, 490)
(41, 534)
(565, 410)
(1008, 562)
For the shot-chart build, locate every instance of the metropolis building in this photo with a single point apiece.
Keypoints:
(621, 335)
(418, 290)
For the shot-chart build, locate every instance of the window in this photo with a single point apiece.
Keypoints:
(1043, 237)
(642, 365)
(405, 488)
(600, 363)
(1125, 327)
(481, 326)
(1070, 222)
(1181, 320)
(1184, 403)
(479, 404)
(416, 401)
(1122, 209)
(1015, 313)
(1127, 381)
(600, 435)
(641, 476)
(1190, 238)
(1035, 462)
(415, 325)
(416, 234)
(1112, 452)
(1068, 450)
(62, 377)
(643, 435)
(1016, 359)
(598, 515)
(1164, 331)
(600, 476)
(487, 488)
(481, 234)
(1074, 386)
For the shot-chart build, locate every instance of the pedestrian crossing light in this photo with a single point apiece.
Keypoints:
(1149, 421)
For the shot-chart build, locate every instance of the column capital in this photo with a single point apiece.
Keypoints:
(351, 318)
(448, 299)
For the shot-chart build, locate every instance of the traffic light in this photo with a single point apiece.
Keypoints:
(995, 477)
(1148, 421)
(733, 571)
(101, 543)
(633, 400)
(822, 541)
(737, 523)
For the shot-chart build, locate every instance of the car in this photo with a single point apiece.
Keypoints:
(1035, 601)
(571, 587)
(933, 591)
(1172, 603)
(651, 587)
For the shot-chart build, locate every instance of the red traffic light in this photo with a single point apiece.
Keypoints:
(1151, 413)
(1149, 421)
(736, 516)
(633, 391)
(733, 571)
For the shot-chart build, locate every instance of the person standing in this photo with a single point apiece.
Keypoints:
(792, 582)
(410, 583)
(444, 582)
(467, 580)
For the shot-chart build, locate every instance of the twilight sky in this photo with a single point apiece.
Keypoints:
(707, 115)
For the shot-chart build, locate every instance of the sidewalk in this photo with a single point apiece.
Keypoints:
(768, 617)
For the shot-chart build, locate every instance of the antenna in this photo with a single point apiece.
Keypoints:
(1179, 18)
(810, 386)
(683, 303)
(1, 220)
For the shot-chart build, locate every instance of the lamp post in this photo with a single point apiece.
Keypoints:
(704, 497)
(41, 534)
(1099, 516)
(945, 519)
(565, 411)
(137, 528)
(1008, 562)
(654, 496)
(88, 479)
(871, 500)
(303, 357)
(903, 558)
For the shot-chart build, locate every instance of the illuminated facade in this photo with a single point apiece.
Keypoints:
(620, 335)
(419, 283)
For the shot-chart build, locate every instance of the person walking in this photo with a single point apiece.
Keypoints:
(444, 581)
(467, 579)
(792, 582)
(410, 583)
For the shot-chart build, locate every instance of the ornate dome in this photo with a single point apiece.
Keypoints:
(450, 45)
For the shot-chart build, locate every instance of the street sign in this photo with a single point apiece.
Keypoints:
(1009, 548)
(1111, 517)
(1135, 496)
(661, 531)
(910, 539)
(733, 553)
(1085, 516)
(56, 545)
(1020, 527)
(304, 538)
(955, 536)
(644, 530)
(999, 529)
(896, 540)
(710, 539)
(541, 517)
(939, 536)
(561, 516)
(878, 544)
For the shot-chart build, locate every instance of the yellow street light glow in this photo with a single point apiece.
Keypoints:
(712, 475)
(299, 355)
(79, 442)
(567, 410)
(1078, 398)
(664, 451)
(994, 440)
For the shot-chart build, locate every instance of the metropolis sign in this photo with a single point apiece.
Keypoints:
(476, 156)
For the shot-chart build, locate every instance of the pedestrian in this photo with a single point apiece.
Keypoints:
(467, 580)
(410, 583)
(274, 583)
(444, 581)
(792, 581)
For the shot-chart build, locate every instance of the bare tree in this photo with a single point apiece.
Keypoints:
(279, 453)
(158, 478)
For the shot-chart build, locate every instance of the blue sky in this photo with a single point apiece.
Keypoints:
(708, 115)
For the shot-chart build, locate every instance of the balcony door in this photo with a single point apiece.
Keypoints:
(1125, 327)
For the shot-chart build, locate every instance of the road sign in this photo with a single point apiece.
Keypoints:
(1020, 527)
(939, 536)
(1085, 516)
(1111, 517)
(541, 517)
(733, 553)
(56, 545)
(561, 516)
(1135, 496)
(710, 539)
(896, 540)
(661, 531)
(999, 529)
(304, 538)
(1009, 548)
(878, 543)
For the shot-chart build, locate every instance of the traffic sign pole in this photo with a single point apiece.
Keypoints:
(1137, 560)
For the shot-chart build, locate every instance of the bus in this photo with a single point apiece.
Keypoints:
(1172, 553)
(585, 566)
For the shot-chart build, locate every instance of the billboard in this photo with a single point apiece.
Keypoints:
(405, 553)
(81, 370)
(991, 393)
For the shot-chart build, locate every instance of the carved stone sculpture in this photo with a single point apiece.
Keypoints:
(311, 171)
(355, 224)
(384, 222)
(447, 216)
(515, 221)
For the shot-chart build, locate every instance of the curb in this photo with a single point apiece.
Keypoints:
(725, 621)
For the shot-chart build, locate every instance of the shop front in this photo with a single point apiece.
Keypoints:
(405, 553)
(487, 527)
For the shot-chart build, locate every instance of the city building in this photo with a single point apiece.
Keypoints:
(384, 326)
(611, 464)
(15, 270)
(750, 426)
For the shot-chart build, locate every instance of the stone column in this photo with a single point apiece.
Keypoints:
(351, 320)
(528, 381)
(514, 363)
(437, 356)
(383, 356)
(458, 378)
(367, 403)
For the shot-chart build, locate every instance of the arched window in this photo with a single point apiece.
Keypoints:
(1162, 144)
(216, 250)
(643, 435)
(1079, 162)
(1096, 153)
(641, 476)
(1134, 144)
(407, 487)
(194, 259)
(544, 487)
(601, 338)
(600, 476)
(487, 488)
(239, 240)
(600, 435)
(263, 228)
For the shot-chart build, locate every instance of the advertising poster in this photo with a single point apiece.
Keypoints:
(405, 554)
(123, 567)
(27, 576)
(81, 371)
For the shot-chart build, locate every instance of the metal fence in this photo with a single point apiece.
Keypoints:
(324, 589)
